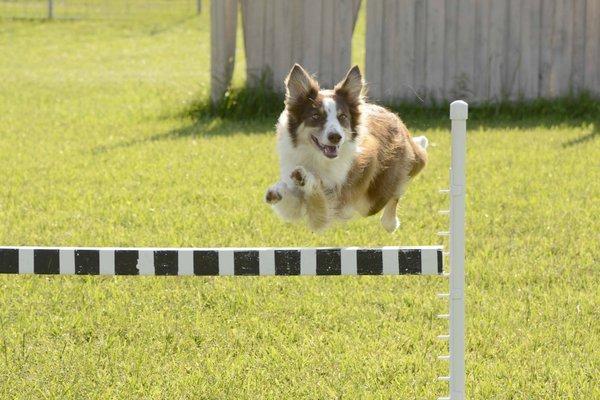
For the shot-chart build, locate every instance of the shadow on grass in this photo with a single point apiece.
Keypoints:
(261, 102)
(247, 111)
(594, 134)
(205, 127)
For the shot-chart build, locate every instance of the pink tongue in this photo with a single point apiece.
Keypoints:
(330, 150)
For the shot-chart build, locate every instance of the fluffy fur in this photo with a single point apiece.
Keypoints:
(339, 155)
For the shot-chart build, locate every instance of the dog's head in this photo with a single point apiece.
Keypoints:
(324, 120)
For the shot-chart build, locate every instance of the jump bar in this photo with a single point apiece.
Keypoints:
(422, 260)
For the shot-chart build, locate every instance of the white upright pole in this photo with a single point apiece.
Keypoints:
(459, 111)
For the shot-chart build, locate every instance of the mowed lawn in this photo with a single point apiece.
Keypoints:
(93, 153)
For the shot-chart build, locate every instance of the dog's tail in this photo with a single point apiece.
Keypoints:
(421, 141)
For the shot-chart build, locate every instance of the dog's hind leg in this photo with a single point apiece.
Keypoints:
(389, 219)
(317, 211)
(286, 202)
(317, 208)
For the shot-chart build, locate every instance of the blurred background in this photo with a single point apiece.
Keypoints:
(99, 9)
(424, 51)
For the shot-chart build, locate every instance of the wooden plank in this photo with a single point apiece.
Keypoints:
(298, 22)
(355, 11)
(253, 26)
(328, 45)
(450, 48)
(434, 77)
(344, 18)
(592, 47)
(312, 35)
(374, 61)
(223, 39)
(465, 43)
(390, 48)
(578, 58)
(282, 42)
(546, 35)
(420, 70)
(404, 59)
(269, 43)
(481, 77)
(561, 49)
(348, 14)
(497, 41)
(529, 63)
(512, 51)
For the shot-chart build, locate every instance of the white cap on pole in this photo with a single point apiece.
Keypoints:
(459, 110)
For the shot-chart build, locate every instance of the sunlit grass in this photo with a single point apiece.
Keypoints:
(97, 149)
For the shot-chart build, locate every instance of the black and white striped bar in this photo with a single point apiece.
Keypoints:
(422, 260)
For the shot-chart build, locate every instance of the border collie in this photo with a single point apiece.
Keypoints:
(340, 155)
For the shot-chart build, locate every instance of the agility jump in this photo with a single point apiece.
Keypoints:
(418, 260)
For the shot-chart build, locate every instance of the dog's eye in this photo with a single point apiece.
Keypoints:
(316, 116)
(342, 117)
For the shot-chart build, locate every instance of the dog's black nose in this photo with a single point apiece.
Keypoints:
(334, 137)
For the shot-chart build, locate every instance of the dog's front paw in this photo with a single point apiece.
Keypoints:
(273, 195)
(304, 180)
(299, 176)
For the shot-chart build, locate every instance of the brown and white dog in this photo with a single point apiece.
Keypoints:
(340, 155)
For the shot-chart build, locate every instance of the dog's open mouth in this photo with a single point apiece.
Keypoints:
(328, 151)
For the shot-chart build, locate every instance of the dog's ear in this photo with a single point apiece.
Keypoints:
(351, 86)
(299, 85)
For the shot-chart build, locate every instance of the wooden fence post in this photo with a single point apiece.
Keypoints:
(223, 26)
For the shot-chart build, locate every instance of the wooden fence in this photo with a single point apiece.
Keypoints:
(482, 50)
(420, 50)
(279, 33)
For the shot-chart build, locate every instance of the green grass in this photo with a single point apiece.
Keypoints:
(157, 10)
(96, 149)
